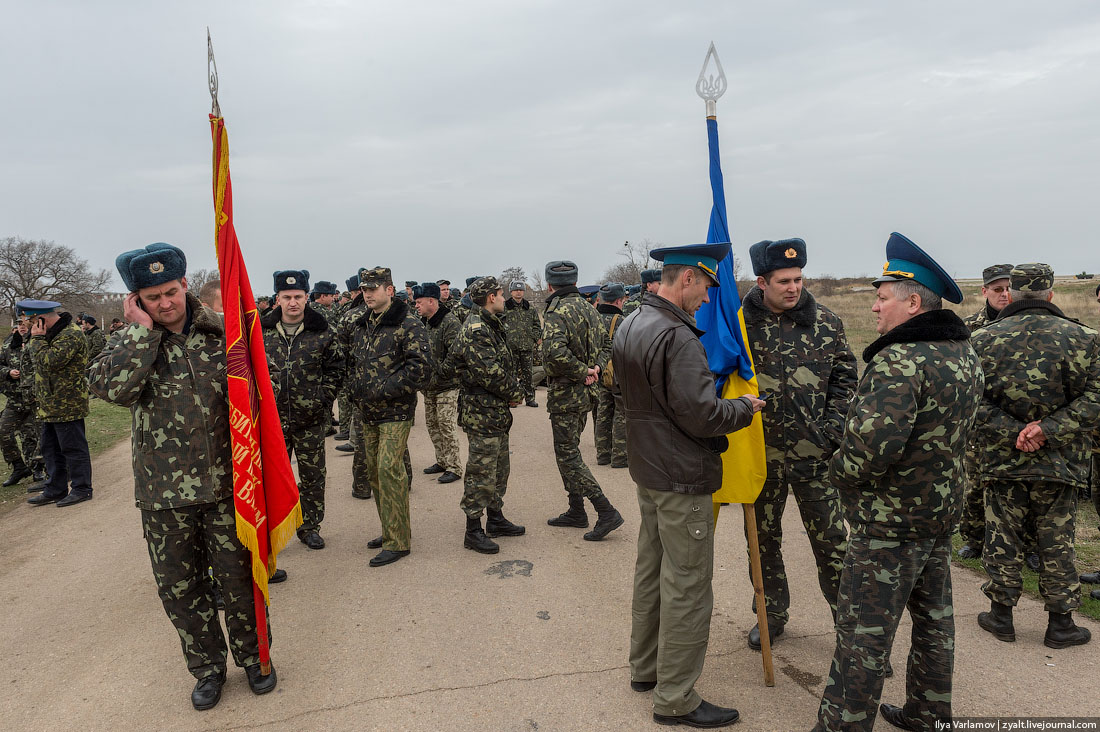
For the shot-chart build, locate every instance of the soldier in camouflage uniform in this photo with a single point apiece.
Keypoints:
(610, 421)
(972, 524)
(324, 301)
(464, 305)
(575, 348)
(483, 364)
(805, 367)
(521, 322)
(60, 355)
(1041, 404)
(94, 334)
(389, 361)
(441, 393)
(303, 348)
(651, 280)
(18, 419)
(168, 366)
(349, 300)
(900, 475)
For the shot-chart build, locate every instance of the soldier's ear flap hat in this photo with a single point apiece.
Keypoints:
(352, 283)
(472, 280)
(906, 261)
(612, 291)
(768, 256)
(650, 275)
(426, 289)
(561, 273)
(292, 279)
(154, 265)
(702, 256)
(324, 287)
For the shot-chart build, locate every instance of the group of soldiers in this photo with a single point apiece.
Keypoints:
(875, 463)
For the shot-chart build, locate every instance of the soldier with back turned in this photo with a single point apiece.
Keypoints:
(610, 422)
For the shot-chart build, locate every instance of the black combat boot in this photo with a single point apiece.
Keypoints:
(476, 539)
(1062, 632)
(18, 474)
(496, 525)
(575, 517)
(998, 621)
(607, 519)
(1092, 578)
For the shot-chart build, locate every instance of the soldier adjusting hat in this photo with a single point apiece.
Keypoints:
(154, 265)
(561, 273)
(482, 287)
(375, 277)
(650, 275)
(906, 261)
(324, 287)
(703, 256)
(427, 289)
(768, 256)
(612, 291)
(995, 272)
(36, 307)
(1032, 277)
(292, 279)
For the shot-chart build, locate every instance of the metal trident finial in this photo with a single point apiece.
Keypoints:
(212, 74)
(711, 86)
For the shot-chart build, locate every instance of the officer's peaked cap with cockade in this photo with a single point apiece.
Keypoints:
(768, 256)
(1032, 277)
(561, 272)
(292, 279)
(36, 307)
(154, 265)
(906, 261)
(702, 256)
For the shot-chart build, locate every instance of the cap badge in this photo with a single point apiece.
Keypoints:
(291, 281)
(156, 267)
(790, 253)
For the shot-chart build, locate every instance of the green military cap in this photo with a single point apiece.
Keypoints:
(483, 286)
(375, 277)
(1032, 277)
(995, 272)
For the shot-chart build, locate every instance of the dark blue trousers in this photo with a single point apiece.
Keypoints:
(64, 448)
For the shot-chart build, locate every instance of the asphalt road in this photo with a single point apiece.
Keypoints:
(534, 638)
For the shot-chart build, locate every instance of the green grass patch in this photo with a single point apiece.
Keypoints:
(105, 425)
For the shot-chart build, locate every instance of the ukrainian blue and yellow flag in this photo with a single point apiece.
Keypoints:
(744, 466)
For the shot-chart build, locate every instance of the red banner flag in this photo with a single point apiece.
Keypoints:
(265, 495)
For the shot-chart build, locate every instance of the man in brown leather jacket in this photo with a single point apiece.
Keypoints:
(676, 428)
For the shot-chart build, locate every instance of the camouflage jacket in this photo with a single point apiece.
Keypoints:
(484, 366)
(60, 357)
(390, 360)
(633, 302)
(802, 359)
(607, 315)
(980, 319)
(330, 313)
(461, 309)
(1039, 365)
(176, 386)
(522, 324)
(899, 465)
(11, 358)
(310, 367)
(443, 329)
(573, 341)
(96, 341)
(345, 321)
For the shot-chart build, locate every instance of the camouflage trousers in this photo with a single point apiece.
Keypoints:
(1054, 507)
(182, 543)
(308, 445)
(361, 482)
(673, 596)
(17, 422)
(1095, 481)
(819, 506)
(486, 474)
(522, 360)
(441, 416)
(575, 475)
(347, 414)
(610, 427)
(383, 446)
(880, 578)
(972, 523)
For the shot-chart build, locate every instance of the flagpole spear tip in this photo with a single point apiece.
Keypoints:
(212, 76)
(711, 83)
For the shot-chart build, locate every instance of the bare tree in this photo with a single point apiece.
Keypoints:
(536, 293)
(199, 277)
(42, 270)
(510, 275)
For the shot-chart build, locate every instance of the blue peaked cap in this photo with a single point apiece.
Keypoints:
(704, 256)
(906, 261)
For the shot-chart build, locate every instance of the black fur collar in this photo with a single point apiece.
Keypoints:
(313, 320)
(434, 321)
(804, 313)
(562, 292)
(392, 317)
(63, 321)
(1021, 305)
(511, 304)
(606, 308)
(935, 325)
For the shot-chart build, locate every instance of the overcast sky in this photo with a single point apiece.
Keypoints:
(445, 139)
